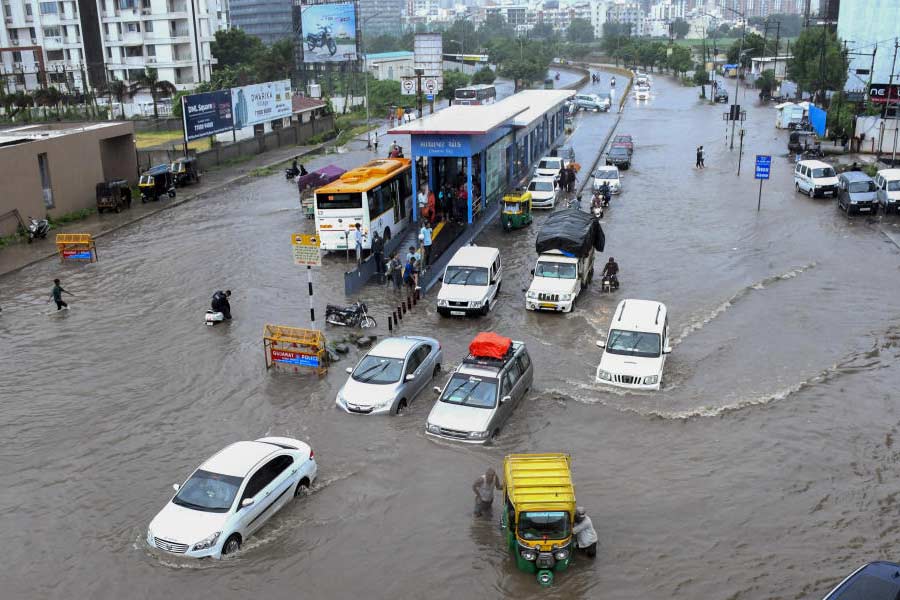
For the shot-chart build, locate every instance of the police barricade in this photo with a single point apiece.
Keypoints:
(293, 348)
(76, 246)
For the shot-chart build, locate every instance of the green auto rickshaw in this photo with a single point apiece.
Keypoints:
(516, 211)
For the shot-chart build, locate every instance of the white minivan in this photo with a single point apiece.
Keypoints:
(471, 282)
(635, 349)
(815, 178)
(888, 183)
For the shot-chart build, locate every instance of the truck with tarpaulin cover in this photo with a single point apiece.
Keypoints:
(565, 263)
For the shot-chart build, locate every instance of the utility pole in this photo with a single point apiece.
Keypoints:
(889, 96)
(777, 41)
(737, 77)
(419, 73)
(822, 66)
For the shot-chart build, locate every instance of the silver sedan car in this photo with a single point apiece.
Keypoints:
(389, 377)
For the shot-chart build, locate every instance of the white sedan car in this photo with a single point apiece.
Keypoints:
(610, 176)
(231, 495)
(544, 191)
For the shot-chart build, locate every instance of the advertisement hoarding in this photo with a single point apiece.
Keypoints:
(207, 114)
(253, 104)
(429, 56)
(883, 93)
(328, 32)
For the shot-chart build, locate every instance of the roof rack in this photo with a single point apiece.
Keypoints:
(487, 361)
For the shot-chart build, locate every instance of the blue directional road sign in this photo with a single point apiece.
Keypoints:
(429, 97)
(763, 165)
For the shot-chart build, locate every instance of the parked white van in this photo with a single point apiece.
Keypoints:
(888, 183)
(815, 178)
(471, 282)
(636, 346)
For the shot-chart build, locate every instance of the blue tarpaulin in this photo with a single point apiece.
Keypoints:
(817, 119)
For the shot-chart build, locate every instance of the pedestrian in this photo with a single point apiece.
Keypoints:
(411, 274)
(462, 204)
(396, 271)
(375, 142)
(378, 253)
(422, 201)
(585, 535)
(484, 488)
(56, 295)
(425, 235)
(699, 164)
(358, 241)
(702, 158)
(431, 209)
(570, 178)
(412, 254)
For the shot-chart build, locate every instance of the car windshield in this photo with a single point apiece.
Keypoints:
(606, 174)
(555, 270)
(466, 275)
(825, 172)
(209, 492)
(618, 151)
(862, 186)
(544, 525)
(868, 587)
(549, 164)
(893, 186)
(378, 370)
(633, 343)
(541, 186)
(513, 208)
(466, 390)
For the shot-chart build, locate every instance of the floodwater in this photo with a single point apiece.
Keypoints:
(766, 467)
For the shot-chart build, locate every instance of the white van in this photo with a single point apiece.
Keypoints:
(888, 183)
(471, 282)
(635, 349)
(815, 178)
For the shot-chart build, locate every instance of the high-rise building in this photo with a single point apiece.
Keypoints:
(269, 20)
(868, 25)
(377, 17)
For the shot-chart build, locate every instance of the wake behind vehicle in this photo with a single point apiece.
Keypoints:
(113, 195)
(878, 580)
(390, 376)
(634, 352)
(231, 495)
(482, 391)
(156, 182)
(471, 282)
(516, 210)
(539, 512)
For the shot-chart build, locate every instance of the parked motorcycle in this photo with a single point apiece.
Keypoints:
(37, 228)
(355, 315)
(321, 39)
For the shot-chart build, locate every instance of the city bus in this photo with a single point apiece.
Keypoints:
(475, 94)
(378, 195)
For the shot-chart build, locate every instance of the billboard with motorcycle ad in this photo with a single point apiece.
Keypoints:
(254, 104)
(328, 32)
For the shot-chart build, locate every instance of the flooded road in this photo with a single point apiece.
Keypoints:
(764, 468)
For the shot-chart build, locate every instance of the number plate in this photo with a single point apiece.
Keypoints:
(827, 193)
(547, 305)
(458, 313)
(864, 209)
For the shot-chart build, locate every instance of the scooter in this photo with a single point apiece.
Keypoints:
(354, 315)
(37, 228)
(213, 317)
(290, 173)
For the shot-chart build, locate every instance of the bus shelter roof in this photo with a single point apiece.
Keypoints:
(461, 120)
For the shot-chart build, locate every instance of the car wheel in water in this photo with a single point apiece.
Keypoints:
(401, 406)
(437, 370)
(302, 487)
(811, 193)
(232, 545)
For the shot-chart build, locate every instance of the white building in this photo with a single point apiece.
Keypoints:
(629, 13)
(598, 16)
(62, 42)
(866, 25)
(391, 66)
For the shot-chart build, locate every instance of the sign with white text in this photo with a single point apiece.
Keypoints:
(254, 104)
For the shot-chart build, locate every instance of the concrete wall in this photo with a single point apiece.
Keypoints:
(879, 134)
(77, 162)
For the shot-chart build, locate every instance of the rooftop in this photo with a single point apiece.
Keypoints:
(43, 131)
(395, 347)
(389, 55)
(300, 104)
(238, 458)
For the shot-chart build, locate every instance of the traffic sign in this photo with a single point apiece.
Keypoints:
(408, 86)
(430, 85)
(306, 249)
(429, 97)
(763, 165)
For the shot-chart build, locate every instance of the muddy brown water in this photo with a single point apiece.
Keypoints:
(766, 467)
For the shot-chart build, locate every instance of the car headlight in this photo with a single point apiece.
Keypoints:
(561, 554)
(651, 379)
(475, 304)
(443, 303)
(528, 554)
(340, 398)
(384, 402)
(207, 542)
(604, 375)
(478, 435)
(431, 428)
(531, 295)
(565, 297)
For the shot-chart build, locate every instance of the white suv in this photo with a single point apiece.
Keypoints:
(636, 346)
(471, 282)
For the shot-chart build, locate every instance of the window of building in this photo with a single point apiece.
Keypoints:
(133, 27)
(49, 8)
(28, 10)
(108, 52)
(133, 51)
(54, 55)
(7, 11)
(61, 7)
(126, 4)
(148, 26)
(32, 32)
(145, 3)
(17, 56)
(151, 50)
(52, 31)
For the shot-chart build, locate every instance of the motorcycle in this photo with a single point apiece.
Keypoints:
(213, 317)
(37, 228)
(609, 283)
(321, 39)
(290, 173)
(355, 315)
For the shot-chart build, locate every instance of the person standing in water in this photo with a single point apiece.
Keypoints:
(484, 488)
(56, 295)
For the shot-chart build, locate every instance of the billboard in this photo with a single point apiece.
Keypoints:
(262, 102)
(206, 114)
(429, 56)
(328, 32)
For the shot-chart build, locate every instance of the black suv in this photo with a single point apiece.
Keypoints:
(619, 156)
(721, 96)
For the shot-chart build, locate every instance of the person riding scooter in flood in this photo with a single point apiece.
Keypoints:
(220, 303)
(611, 270)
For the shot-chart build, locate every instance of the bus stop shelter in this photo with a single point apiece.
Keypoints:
(487, 148)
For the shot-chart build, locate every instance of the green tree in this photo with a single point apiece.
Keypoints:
(679, 60)
(461, 37)
(766, 82)
(680, 28)
(150, 81)
(495, 26)
(543, 31)
(841, 116)
(233, 47)
(275, 62)
(385, 93)
(580, 31)
(701, 77)
(484, 75)
(818, 62)
(118, 90)
(754, 45)
(452, 81)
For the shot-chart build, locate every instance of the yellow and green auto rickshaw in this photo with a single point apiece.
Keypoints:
(538, 513)
(516, 211)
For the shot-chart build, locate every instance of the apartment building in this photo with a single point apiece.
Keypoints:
(378, 17)
(67, 43)
(629, 13)
(269, 20)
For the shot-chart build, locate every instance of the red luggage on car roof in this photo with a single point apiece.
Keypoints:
(490, 345)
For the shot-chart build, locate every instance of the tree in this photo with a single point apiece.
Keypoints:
(701, 77)
(754, 45)
(484, 75)
(543, 31)
(580, 31)
(724, 29)
(452, 81)
(680, 59)
(462, 35)
(495, 26)
(233, 47)
(150, 81)
(680, 28)
(118, 90)
(818, 62)
(766, 83)
(275, 62)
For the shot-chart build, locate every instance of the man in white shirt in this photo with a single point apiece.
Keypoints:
(422, 202)
(585, 536)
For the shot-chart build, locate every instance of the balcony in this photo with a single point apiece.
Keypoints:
(53, 43)
(133, 61)
(133, 38)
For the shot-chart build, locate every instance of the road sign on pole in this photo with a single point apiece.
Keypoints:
(408, 86)
(306, 252)
(763, 168)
